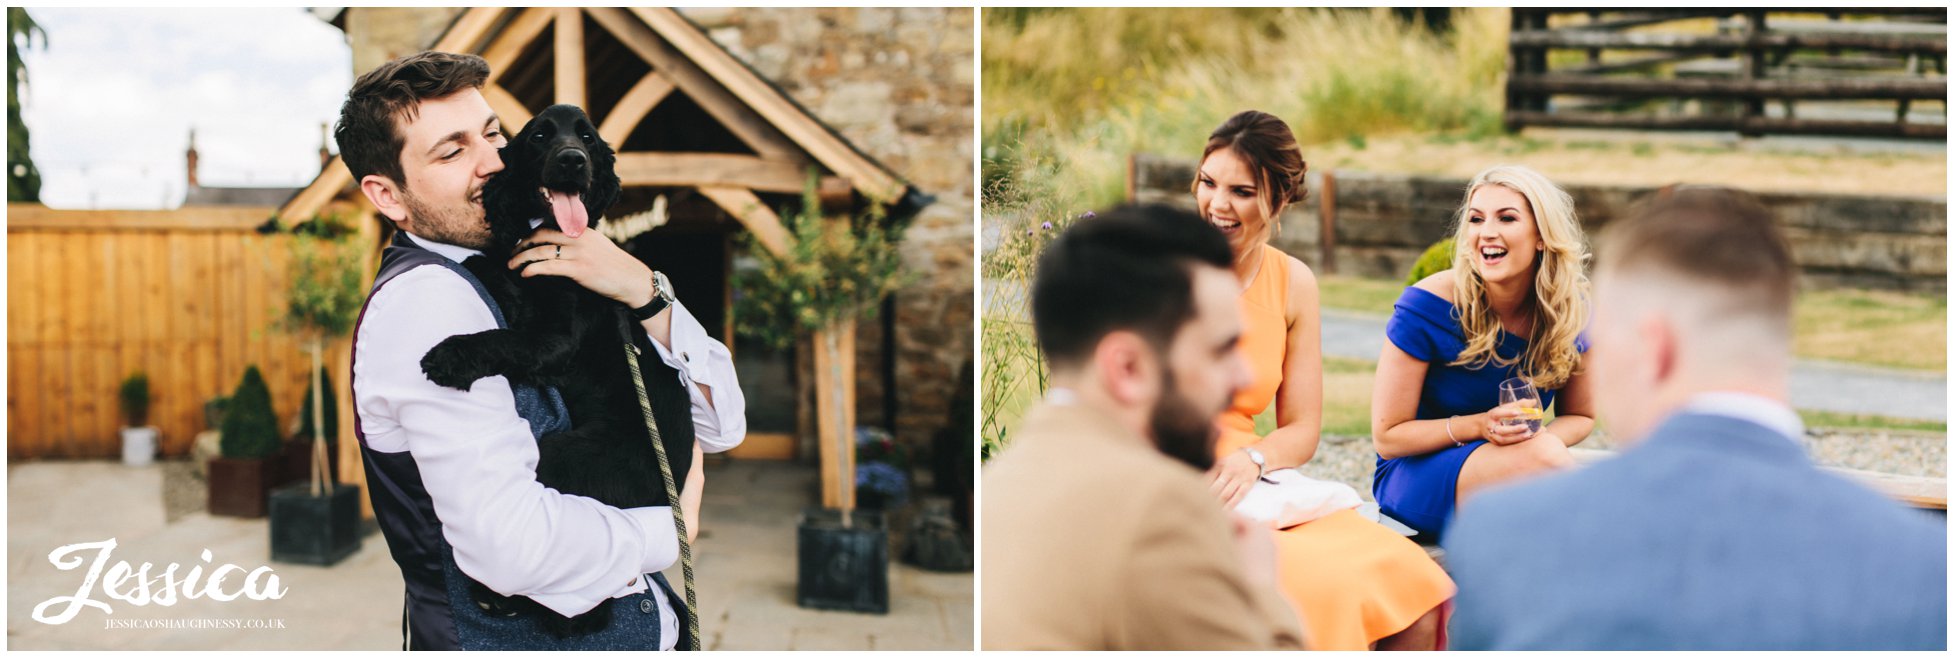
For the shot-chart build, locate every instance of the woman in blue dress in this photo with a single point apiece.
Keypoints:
(1514, 304)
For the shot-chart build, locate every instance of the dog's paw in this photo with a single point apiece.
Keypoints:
(450, 364)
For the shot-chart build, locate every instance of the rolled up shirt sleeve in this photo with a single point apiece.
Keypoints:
(477, 461)
(720, 424)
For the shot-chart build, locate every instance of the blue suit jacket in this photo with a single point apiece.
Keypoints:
(1713, 533)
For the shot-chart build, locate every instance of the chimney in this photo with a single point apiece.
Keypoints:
(325, 156)
(191, 156)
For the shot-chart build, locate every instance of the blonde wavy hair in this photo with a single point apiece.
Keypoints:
(1560, 282)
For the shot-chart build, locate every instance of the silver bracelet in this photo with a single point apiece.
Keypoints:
(1448, 432)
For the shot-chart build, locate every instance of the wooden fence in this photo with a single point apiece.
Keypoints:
(1376, 225)
(187, 296)
(1760, 73)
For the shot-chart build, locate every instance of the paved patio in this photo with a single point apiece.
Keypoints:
(745, 566)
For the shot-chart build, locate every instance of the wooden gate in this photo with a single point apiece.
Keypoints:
(1760, 72)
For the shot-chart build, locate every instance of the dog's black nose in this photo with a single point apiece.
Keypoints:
(572, 159)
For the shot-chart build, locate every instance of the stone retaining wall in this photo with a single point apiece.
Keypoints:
(1382, 222)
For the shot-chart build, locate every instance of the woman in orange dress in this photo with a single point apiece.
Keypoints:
(1356, 584)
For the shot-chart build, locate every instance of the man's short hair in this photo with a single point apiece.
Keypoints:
(381, 101)
(1131, 268)
(1708, 237)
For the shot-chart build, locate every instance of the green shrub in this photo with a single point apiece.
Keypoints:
(250, 426)
(1436, 259)
(135, 399)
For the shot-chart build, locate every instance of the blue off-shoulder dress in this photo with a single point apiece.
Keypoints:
(1421, 490)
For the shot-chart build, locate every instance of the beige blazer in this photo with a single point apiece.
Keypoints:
(1094, 540)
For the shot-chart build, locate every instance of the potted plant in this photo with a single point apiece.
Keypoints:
(317, 521)
(836, 271)
(244, 469)
(138, 438)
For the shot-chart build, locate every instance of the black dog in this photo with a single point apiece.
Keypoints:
(559, 173)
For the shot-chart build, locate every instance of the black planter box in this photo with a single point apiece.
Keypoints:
(844, 568)
(309, 530)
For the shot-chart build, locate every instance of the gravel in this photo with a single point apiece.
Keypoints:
(1349, 459)
(183, 492)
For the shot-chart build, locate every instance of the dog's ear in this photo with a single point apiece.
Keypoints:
(604, 183)
(509, 197)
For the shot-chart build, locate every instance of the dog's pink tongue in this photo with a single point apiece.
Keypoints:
(570, 213)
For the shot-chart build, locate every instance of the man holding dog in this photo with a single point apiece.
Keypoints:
(451, 473)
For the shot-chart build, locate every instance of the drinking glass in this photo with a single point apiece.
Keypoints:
(1520, 390)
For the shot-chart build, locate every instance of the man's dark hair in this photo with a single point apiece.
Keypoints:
(1130, 268)
(1714, 236)
(369, 122)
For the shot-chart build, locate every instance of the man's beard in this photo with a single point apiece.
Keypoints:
(1179, 429)
(450, 225)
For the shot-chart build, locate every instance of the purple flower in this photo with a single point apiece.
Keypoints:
(1046, 226)
(1027, 231)
(1089, 215)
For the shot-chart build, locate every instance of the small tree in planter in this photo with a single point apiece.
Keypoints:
(138, 438)
(836, 271)
(317, 522)
(244, 471)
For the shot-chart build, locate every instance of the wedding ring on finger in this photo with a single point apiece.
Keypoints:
(559, 251)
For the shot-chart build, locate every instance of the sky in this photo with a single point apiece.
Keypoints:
(111, 100)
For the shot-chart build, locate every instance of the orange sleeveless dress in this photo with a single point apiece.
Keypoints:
(1352, 581)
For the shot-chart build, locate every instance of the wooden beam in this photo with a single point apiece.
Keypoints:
(466, 31)
(507, 45)
(569, 56)
(764, 99)
(514, 116)
(1740, 88)
(1735, 124)
(34, 216)
(751, 128)
(710, 170)
(765, 445)
(834, 386)
(745, 207)
(632, 108)
(1574, 38)
(307, 202)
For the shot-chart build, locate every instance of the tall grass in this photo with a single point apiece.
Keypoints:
(1086, 87)
(1069, 93)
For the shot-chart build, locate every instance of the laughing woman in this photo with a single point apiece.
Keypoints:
(1513, 305)
(1355, 583)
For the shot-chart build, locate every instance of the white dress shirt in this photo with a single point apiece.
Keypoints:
(477, 457)
(1748, 407)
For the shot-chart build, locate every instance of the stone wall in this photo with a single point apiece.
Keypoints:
(899, 85)
(1384, 221)
(379, 34)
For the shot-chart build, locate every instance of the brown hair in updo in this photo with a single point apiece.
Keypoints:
(1270, 148)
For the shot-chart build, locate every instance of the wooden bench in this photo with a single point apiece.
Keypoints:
(1928, 493)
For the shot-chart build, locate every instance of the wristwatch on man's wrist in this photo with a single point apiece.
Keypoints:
(661, 297)
(1261, 463)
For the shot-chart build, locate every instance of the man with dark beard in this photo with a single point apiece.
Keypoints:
(1099, 531)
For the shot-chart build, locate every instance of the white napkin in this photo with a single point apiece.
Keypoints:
(1295, 499)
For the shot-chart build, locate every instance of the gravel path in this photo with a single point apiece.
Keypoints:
(1349, 459)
